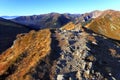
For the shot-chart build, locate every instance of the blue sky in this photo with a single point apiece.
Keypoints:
(32, 7)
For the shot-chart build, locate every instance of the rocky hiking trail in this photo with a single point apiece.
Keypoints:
(86, 56)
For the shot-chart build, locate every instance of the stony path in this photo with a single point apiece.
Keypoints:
(83, 57)
(72, 55)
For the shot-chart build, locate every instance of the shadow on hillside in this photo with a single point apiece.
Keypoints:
(107, 62)
(107, 55)
(8, 35)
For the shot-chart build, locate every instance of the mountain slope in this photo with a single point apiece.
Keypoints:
(8, 33)
(107, 24)
(56, 54)
(24, 55)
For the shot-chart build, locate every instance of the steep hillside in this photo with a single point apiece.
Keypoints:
(108, 24)
(24, 55)
(8, 33)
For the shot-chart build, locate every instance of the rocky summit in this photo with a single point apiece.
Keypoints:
(85, 49)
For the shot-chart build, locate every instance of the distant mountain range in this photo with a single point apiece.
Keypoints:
(51, 20)
(56, 20)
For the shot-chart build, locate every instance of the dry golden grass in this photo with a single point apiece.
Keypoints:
(107, 24)
(35, 45)
(68, 26)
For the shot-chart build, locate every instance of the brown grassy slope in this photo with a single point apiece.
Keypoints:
(27, 50)
(107, 24)
(68, 26)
